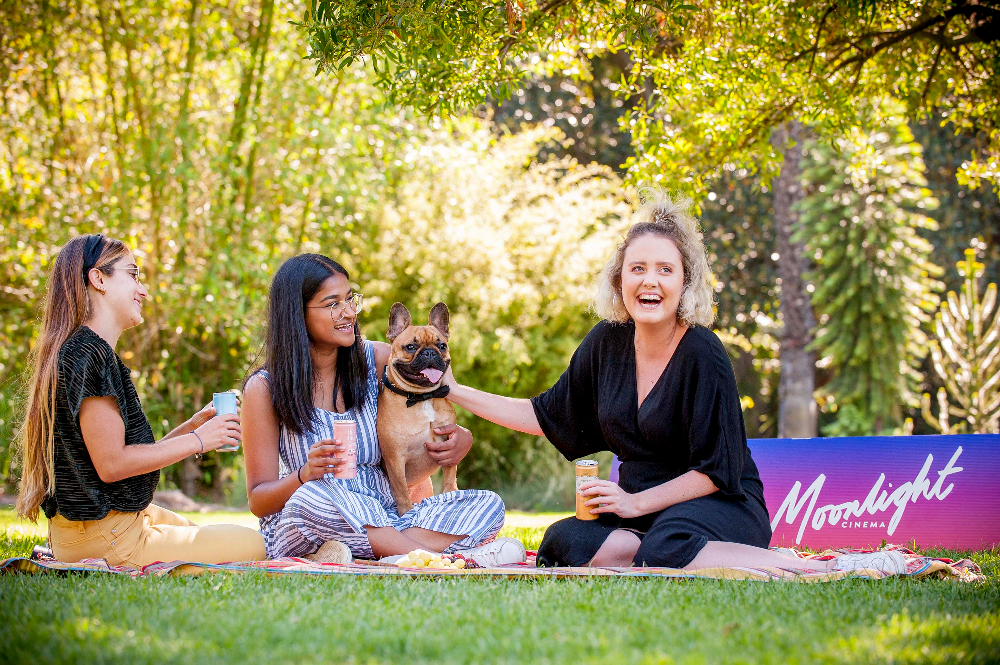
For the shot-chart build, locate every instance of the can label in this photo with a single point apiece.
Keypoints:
(586, 471)
(345, 432)
(581, 480)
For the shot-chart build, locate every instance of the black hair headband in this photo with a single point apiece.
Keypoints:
(91, 253)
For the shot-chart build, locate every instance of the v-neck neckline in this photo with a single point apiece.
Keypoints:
(659, 379)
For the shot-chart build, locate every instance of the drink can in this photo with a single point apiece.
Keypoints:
(345, 432)
(586, 470)
(225, 403)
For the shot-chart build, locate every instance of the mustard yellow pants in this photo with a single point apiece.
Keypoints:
(150, 535)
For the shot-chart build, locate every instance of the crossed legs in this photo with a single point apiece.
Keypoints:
(621, 547)
(386, 541)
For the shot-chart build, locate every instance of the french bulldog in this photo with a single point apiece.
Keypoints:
(412, 401)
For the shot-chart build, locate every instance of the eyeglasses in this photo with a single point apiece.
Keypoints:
(338, 308)
(136, 275)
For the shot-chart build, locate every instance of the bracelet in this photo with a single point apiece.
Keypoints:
(198, 454)
(299, 475)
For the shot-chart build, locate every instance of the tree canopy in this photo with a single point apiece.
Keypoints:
(713, 76)
(196, 133)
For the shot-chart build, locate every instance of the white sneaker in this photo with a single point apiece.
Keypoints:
(500, 552)
(332, 551)
(887, 562)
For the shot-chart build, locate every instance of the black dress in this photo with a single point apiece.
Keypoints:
(691, 420)
(89, 367)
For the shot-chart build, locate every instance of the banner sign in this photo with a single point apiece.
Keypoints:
(940, 491)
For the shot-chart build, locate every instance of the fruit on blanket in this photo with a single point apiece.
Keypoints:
(424, 559)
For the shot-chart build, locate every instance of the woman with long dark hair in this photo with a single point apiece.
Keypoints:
(89, 457)
(319, 370)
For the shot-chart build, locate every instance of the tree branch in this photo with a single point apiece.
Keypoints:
(920, 30)
(548, 8)
(871, 51)
(819, 33)
(930, 76)
(769, 118)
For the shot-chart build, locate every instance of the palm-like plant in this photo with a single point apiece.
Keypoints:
(966, 355)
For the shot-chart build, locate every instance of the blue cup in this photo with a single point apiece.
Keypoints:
(225, 403)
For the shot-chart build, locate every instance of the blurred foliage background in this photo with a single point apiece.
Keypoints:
(197, 132)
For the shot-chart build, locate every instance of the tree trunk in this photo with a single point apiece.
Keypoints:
(190, 473)
(185, 172)
(190, 470)
(796, 404)
(249, 96)
(118, 147)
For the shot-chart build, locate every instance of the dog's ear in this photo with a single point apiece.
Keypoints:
(439, 318)
(399, 320)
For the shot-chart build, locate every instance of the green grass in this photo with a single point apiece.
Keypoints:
(252, 618)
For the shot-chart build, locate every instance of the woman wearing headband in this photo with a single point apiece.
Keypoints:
(89, 458)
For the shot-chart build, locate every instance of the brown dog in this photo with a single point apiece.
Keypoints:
(412, 402)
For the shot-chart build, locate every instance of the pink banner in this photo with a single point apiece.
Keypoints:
(939, 491)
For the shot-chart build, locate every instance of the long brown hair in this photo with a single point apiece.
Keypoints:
(67, 306)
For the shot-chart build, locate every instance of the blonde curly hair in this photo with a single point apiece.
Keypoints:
(660, 215)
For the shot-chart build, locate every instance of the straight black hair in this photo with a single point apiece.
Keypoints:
(287, 358)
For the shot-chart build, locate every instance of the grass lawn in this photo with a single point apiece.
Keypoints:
(252, 618)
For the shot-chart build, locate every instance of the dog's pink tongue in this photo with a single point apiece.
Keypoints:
(432, 374)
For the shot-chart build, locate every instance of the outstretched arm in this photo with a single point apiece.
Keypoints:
(103, 433)
(512, 413)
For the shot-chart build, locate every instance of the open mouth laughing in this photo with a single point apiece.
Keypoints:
(649, 301)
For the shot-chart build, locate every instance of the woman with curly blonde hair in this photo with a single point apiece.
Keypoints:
(653, 384)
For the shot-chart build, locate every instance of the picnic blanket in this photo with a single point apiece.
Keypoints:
(918, 566)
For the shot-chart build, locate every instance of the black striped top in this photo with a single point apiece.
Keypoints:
(89, 367)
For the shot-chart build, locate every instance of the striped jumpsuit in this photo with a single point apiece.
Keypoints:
(340, 509)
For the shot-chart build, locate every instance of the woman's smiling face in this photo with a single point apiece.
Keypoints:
(320, 324)
(652, 279)
(123, 291)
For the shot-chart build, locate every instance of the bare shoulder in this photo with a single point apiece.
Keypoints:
(258, 417)
(257, 390)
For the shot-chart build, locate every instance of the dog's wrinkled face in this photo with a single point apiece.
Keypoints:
(419, 356)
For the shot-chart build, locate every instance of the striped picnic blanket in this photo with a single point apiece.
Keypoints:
(918, 566)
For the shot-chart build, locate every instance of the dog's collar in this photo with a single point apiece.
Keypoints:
(413, 398)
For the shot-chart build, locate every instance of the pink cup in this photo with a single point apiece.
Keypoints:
(345, 432)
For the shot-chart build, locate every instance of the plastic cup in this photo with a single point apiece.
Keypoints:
(226, 403)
